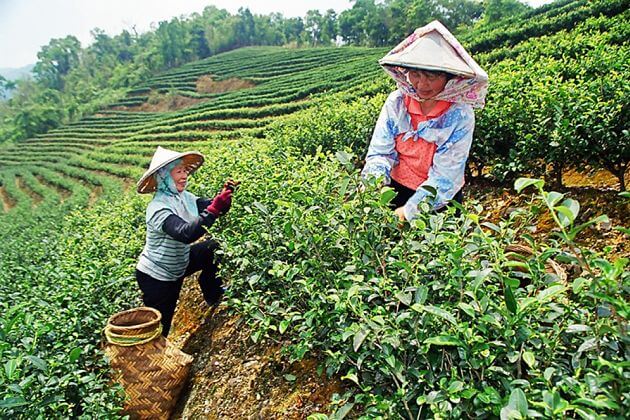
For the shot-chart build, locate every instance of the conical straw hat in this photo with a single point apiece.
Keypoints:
(162, 157)
(433, 47)
(430, 52)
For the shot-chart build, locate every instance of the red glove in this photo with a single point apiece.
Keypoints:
(230, 184)
(221, 203)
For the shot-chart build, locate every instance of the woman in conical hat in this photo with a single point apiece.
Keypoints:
(176, 218)
(423, 135)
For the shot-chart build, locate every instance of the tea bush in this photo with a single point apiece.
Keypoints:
(435, 320)
(441, 319)
(331, 125)
(59, 281)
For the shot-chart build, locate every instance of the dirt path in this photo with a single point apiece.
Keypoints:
(95, 194)
(7, 202)
(63, 193)
(35, 197)
(232, 377)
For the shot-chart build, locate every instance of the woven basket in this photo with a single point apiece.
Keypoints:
(151, 370)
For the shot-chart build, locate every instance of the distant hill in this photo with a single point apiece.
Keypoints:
(16, 73)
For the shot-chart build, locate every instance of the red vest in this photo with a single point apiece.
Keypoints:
(416, 157)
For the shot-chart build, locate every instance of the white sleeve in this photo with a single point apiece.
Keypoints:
(382, 156)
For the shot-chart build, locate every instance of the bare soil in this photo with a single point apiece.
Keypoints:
(597, 192)
(234, 378)
(205, 84)
(95, 194)
(36, 198)
(7, 202)
(162, 102)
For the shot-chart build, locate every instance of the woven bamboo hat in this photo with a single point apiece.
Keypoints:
(162, 157)
(430, 52)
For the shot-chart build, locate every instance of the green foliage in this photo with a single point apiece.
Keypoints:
(560, 102)
(437, 319)
(378, 24)
(56, 60)
(88, 79)
(331, 125)
(60, 280)
(496, 10)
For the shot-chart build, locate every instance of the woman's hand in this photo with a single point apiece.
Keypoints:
(400, 212)
(221, 203)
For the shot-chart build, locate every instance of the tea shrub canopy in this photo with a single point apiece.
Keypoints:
(453, 316)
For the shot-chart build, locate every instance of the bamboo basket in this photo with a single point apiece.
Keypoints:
(151, 369)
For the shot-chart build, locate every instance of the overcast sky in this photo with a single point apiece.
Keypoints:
(27, 25)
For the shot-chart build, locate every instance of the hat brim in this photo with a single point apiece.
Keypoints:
(454, 72)
(191, 160)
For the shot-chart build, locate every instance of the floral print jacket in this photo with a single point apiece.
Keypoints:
(452, 134)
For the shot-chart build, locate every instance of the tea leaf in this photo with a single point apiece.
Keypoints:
(552, 198)
(38, 363)
(343, 157)
(578, 328)
(455, 387)
(13, 402)
(529, 358)
(600, 402)
(9, 368)
(284, 324)
(387, 195)
(444, 340)
(510, 300)
(342, 412)
(359, 337)
(351, 376)
(435, 311)
(470, 311)
(518, 401)
(550, 293)
(568, 211)
(260, 206)
(588, 345)
(421, 294)
(74, 354)
(404, 297)
(522, 183)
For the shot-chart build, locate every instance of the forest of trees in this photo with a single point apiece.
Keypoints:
(70, 81)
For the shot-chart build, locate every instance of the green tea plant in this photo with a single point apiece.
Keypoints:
(56, 292)
(447, 317)
(435, 320)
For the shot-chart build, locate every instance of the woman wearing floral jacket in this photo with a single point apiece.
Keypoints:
(423, 135)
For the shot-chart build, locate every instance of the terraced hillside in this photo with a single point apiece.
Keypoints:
(445, 319)
(113, 145)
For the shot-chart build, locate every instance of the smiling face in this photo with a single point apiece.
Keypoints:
(427, 84)
(180, 176)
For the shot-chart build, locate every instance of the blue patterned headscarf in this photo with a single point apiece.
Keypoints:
(165, 182)
(182, 204)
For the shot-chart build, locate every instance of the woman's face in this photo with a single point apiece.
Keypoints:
(427, 83)
(180, 176)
